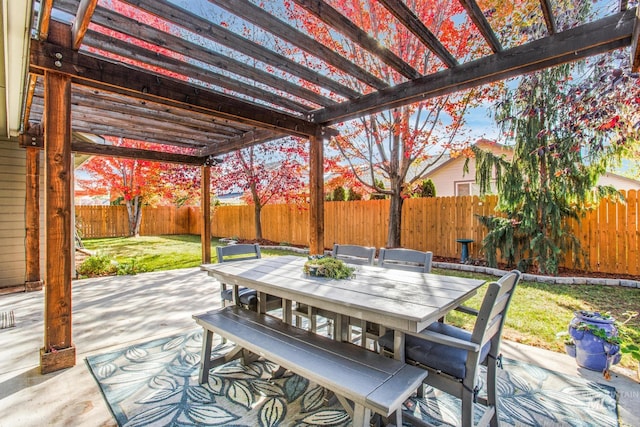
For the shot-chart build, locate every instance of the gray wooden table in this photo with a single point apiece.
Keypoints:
(401, 300)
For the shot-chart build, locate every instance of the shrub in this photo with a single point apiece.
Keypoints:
(96, 265)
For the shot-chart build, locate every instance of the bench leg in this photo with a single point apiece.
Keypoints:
(205, 356)
(361, 416)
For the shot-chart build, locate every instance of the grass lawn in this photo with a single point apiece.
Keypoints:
(537, 313)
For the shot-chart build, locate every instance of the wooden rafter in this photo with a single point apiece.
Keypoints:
(44, 18)
(635, 44)
(482, 24)
(239, 142)
(268, 22)
(335, 19)
(82, 147)
(230, 39)
(146, 57)
(590, 39)
(549, 18)
(81, 23)
(188, 49)
(118, 78)
(409, 19)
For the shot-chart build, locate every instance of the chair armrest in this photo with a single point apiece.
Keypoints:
(467, 310)
(447, 340)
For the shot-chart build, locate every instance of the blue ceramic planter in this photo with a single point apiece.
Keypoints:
(593, 352)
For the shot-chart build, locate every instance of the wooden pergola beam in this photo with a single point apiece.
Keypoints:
(478, 18)
(232, 40)
(409, 19)
(82, 147)
(606, 34)
(549, 18)
(341, 23)
(44, 18)
(82, 21)
(268, 22)
(316, 194)
(635, 44)
(108, 76)
(58, 351)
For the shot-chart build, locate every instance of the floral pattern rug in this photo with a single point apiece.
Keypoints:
(156, 384)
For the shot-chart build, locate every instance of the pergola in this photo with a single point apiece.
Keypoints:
(182, 77)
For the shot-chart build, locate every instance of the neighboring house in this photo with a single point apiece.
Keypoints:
(450, 179)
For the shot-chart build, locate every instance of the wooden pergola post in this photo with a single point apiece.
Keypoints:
(58, 351)
(205, 206)
(316, 194)
(32, 220)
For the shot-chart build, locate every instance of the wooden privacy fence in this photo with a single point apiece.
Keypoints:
(609, 233)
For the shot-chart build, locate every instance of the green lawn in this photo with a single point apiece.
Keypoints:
(538, 311)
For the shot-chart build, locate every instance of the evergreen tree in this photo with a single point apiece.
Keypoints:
(427, 188)
(353, 195)
(339, 195)
(550, 179)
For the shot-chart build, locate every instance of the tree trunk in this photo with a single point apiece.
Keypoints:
(395, 216)
(134, 211)
(257, 210)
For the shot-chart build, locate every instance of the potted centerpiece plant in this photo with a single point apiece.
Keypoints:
(324, 266)
(597, 344)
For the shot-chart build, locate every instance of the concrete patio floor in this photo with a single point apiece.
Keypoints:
(113, 312)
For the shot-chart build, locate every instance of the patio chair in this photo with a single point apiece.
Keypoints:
(452, 355)
(354, 254)
(247, 297)
(399, 259)
(405, 259)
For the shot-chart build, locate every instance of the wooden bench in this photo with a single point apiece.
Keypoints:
(370, 381)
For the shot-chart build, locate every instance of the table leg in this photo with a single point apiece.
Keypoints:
(287, 315)
(398, 345)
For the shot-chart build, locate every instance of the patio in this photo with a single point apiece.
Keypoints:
(113, 312)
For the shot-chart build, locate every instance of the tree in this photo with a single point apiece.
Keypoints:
(267, 173)
(339, 195)
(426, 189)
(398, 145)
(139, 182)
(550, 179)
(567, 129)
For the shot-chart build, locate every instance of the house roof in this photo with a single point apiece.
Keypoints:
(187, 74)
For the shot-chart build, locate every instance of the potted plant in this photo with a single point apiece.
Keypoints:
(596, 339)
(328, 267)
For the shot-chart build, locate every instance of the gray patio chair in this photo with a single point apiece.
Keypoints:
(399, 259)
(247, 297)
(452, 355)
(405, 259)
(354, 254)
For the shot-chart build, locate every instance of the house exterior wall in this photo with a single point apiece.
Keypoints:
(12, 217)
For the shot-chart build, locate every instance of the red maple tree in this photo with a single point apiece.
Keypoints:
(136, 182)
(389, 151)
(273, 172)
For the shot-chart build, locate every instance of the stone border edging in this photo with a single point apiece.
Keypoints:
(497, 272)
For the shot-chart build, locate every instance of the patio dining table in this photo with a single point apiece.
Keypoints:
(404, 301)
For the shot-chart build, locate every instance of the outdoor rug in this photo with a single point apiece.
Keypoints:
(156, 384)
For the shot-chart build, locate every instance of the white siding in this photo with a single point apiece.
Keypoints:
(12, 214)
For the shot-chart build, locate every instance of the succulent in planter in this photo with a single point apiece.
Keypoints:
(328, 267)
(596, 339)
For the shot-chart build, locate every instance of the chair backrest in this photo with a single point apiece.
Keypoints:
(238, 252)
(405, 259)
(493, 310)
(354, 254)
